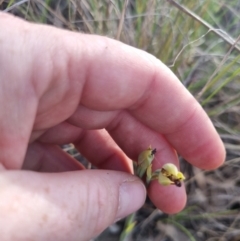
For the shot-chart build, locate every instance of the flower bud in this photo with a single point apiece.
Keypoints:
(145, 159)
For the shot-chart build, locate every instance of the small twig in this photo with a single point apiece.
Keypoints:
(17, 4)
(203, 22)
(120, 26)
(81, 13)
(172, 65)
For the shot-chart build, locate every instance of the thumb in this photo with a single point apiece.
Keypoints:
(65, 206)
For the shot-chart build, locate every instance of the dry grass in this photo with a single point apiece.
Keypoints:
(198, 40)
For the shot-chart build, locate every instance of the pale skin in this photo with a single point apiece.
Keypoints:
(109, 99)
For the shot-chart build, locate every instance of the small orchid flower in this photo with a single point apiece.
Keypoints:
(169, 175)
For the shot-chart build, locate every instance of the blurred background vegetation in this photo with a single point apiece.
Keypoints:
(198, 40)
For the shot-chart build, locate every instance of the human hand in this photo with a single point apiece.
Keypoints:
(111, 101)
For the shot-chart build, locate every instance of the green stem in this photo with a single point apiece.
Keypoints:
(128, 227)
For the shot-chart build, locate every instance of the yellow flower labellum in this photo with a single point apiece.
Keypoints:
(169, 175)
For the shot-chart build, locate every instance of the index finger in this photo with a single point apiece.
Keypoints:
(105, 75)
(132, 79)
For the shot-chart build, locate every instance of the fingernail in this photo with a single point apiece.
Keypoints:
(132, 196)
